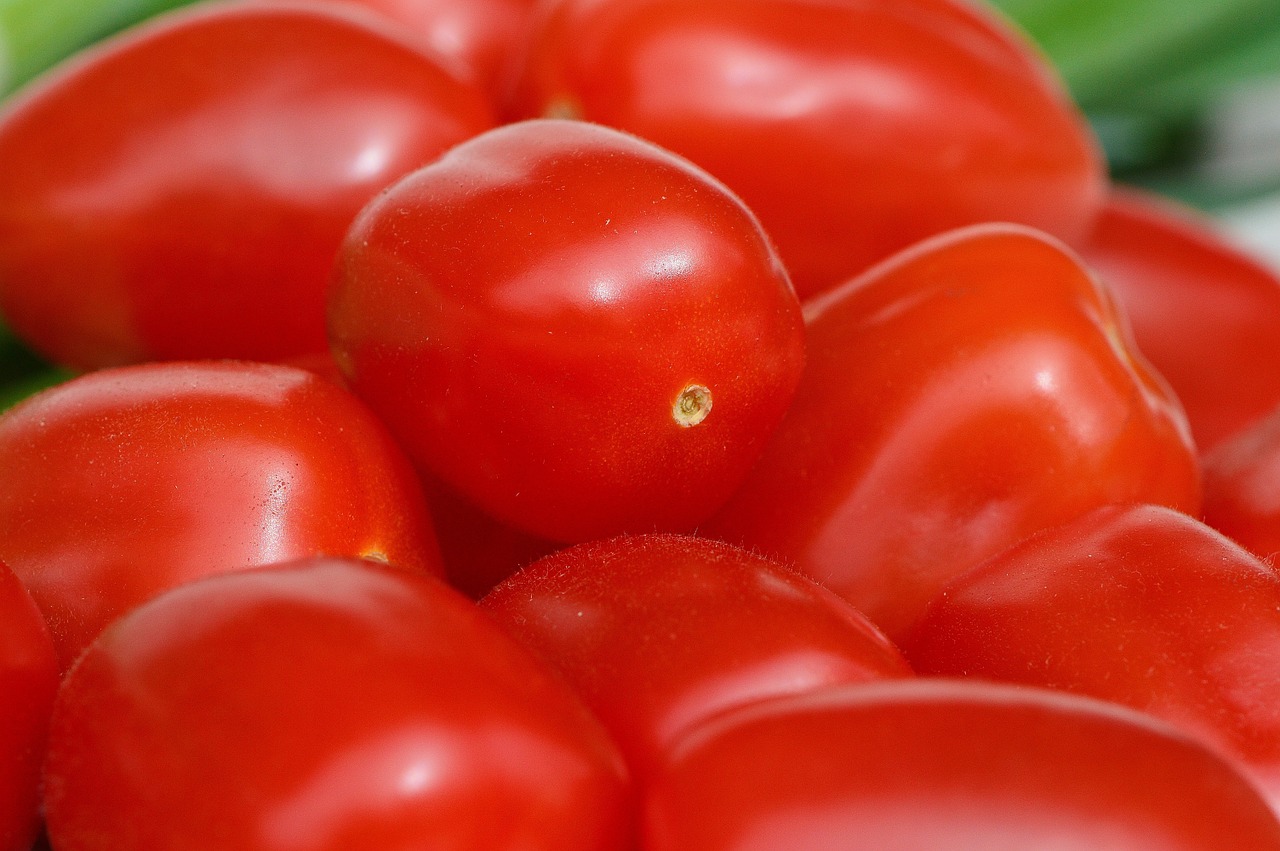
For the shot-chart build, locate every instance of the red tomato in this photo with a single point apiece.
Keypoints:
(324, 706)
(958, 398)
(1139, 605)
(659, 632)
(1206, 315)
(1241, 486)
(181, 191)
(28, 681)
(853, 129)
(125, 482)
(580, 332)
(932, 764)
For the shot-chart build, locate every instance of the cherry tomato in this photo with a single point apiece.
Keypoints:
(181, 191)
(965, 394)
(322, 707)
(1205, 314)
(658, 632)
(1241, 484)
(961, 766)
(852, 129)
(28, 681)
(1139, 605)
(578, 331)
(121, 483)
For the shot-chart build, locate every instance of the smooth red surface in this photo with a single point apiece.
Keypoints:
(181, 191)
(324, 706)
(660, 632)
(122, 483)
(853, 129)
(1139, 605)
(526, 312)
(961, 766)
(28, 682)
(1242, 487)
(965, 394)
(1205, 314)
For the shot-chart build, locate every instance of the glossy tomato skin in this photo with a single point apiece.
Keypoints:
(320, 706)
(940, 764)
(958, 398)
(124, 482)
(660, 632)
(1139, 605)
(1241, 480)
(1205, 314)
(181, 191)
(578, 331)
(28, 682)
(852, 129)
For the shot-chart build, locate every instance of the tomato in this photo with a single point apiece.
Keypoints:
(1139, 605)
(323, 706)
(28, 681)
(659, 632)
(959, 397)
(121, 483)
(578, 331)
(938, 764)
(853, 129)
(181, 191)
(1204, 313)
(1241, 481)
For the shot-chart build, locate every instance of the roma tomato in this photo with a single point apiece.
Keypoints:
(580, 332)
(1242, 486)
(1138, 605)
(1206, 315)
(181, 191)
(324, 706)
(938, 764)
(853, 129)
(659, 632)
(124, 482)
(28, 681)
(965, 394)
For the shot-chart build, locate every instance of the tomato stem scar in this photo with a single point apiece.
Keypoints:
(692, 405)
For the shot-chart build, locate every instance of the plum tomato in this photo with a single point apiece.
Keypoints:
(324, 705)
(1206, 315)
(852, 129)
(1139, 605)
(28, 682)
(180, 191)
(580, 332)
(1242, 487)
(124, 482)
(957, 398)
(937, 764)
(659, 632)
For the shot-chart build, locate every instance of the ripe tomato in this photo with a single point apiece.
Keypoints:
(1206, 315)
(958, 398)
(853, 129)
(659, 632)
(180, 191)
(28, 681)
(1139, 605)
(937, 764)
(324, 706)
(1241, 484)
(580, 332)
(124, 482)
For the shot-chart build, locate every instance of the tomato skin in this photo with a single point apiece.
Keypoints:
(1139, 605)
(324, 705)
(957, 398)
(529, 312)
(1206, 315)
(121, 483)
(28, 682)
(824, 116)
(1241, 478)
(659, 632)
(198, 214)
(957, 765)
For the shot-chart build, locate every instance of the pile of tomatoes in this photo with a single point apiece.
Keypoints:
(622, 425)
